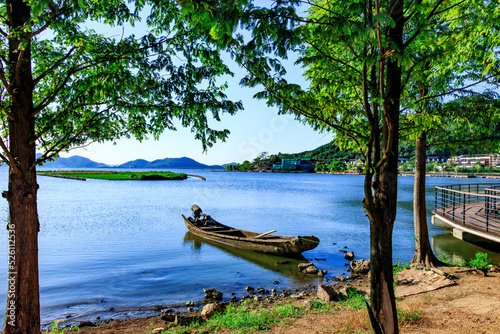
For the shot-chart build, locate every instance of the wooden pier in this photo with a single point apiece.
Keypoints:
(471, 211)
(64, 177)
(201, 177)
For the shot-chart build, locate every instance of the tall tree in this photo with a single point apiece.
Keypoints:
(63, 84)
(357, 56)
(442, 68)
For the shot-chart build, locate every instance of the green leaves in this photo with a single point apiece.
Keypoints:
(90, 87)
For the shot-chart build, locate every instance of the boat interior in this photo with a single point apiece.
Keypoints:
(213, 226)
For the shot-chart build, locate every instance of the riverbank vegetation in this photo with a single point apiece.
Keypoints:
(250, 315)
(115, 176)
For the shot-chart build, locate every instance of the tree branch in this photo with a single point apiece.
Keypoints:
(12, 160)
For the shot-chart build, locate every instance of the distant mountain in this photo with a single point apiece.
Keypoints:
(173, 163)
(75, 161)
(139, 163)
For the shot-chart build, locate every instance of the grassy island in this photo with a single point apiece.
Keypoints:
(108, 175)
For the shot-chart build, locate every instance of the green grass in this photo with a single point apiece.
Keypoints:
(54, 329)
(106, 175)
(408, 317)
(250, 316)
(399, 267)
(354, 300)
(243, 318)
(480, 262)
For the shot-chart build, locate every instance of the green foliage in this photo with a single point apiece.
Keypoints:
(432, 167)
(319, 305)
(243, 318)
(354, 301)
(321, 167)
(243, 167)
(90, 87)
(470, 124)
(443, 258)
(142, 176)
(337, 166)
(54, 329)
(480, 262)
(399, 267)
(250, 316)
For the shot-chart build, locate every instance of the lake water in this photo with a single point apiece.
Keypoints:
(117, 249)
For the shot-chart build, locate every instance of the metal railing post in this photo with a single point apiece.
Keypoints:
(487, 202)
(463, 211)
(453, 206)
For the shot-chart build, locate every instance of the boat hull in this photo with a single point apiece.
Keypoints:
(270, 244)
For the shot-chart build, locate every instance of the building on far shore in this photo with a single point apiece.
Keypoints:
(435, 158)
(303, 165)
(485, 160)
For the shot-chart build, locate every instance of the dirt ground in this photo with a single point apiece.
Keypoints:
(471, 306)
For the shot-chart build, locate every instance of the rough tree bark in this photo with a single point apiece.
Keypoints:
(382, 212)
(423, 250)
(23, 306)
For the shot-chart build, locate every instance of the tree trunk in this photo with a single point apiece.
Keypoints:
(23, 302)
(383, 305)
(423, 250)
(383, 313)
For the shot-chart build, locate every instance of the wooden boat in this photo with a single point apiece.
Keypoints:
(258, 242)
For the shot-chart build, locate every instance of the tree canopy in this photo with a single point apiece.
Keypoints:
(91, 87)
(366, 63)
(63, 83)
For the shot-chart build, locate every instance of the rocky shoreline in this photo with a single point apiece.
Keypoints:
(214, 301)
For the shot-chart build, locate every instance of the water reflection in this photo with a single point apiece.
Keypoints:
(458, 250)
(283, 265)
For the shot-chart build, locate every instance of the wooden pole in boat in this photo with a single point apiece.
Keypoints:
(263, 234)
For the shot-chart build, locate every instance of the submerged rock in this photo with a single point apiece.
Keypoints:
(322, 273)
(86, 324)
(349, 256)
(308, 268)
(212, 294)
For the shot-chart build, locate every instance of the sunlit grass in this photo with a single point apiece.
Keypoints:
(108, 175)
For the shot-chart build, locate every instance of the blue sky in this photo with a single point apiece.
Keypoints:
(255, 129)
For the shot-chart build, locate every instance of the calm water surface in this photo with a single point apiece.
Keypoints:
(116, 249)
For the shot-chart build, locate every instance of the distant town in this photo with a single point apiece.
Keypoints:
(484, 163)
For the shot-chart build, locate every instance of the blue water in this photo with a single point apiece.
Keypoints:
(119, 248)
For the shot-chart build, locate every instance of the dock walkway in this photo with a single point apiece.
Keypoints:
(471, 211)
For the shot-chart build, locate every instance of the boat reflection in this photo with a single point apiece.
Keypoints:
(458, 250)
(283, 265)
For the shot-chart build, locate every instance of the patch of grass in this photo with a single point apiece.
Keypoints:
(427, 299)
(250, 316)
(355, 301)
(243, 318)
(318, 305)
(54, 329)
(406, 318)
(444, 259)
(115, 176)
(399, 267)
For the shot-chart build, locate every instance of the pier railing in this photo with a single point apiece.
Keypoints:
(475, 206)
